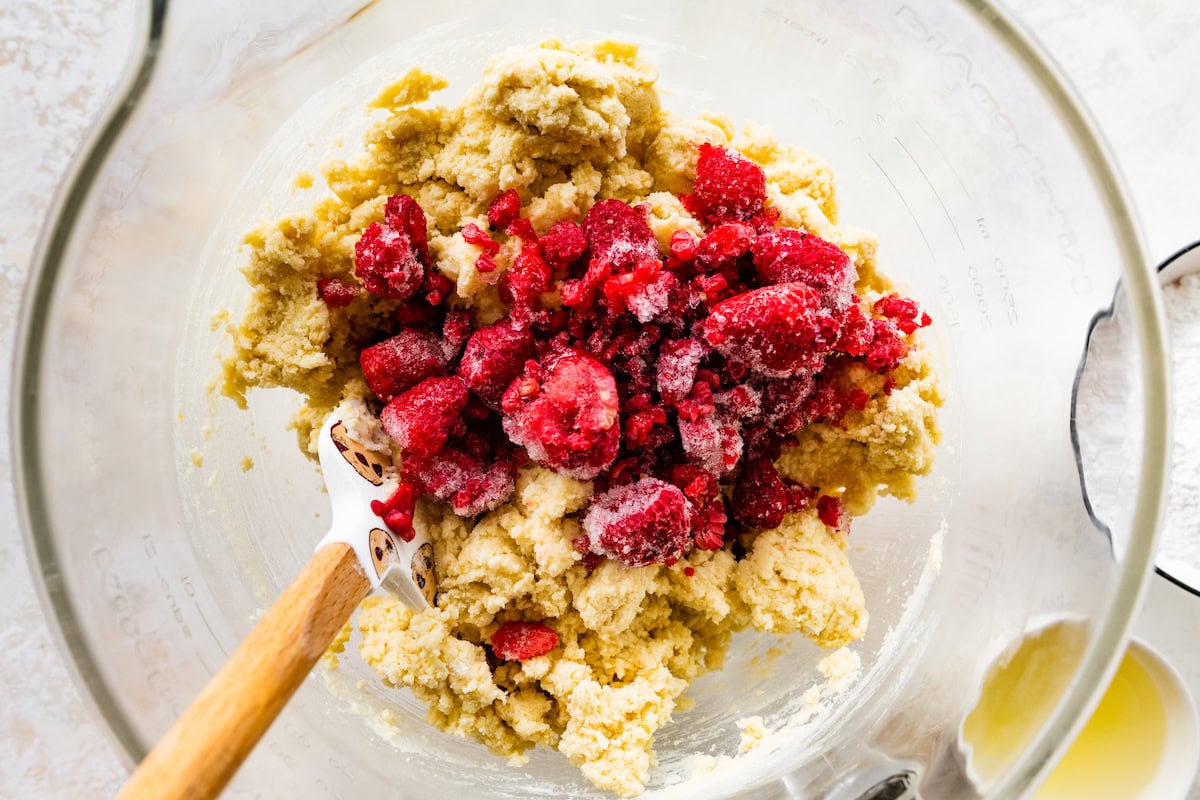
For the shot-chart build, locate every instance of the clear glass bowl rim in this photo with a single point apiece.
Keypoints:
(1138, 278)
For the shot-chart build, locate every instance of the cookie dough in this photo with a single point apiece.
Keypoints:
(566, 126)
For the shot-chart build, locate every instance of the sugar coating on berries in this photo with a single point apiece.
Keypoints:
(641, 523)
(564, 413)
(422, 419)
(520, 641)
(402, 361)
(729, 187)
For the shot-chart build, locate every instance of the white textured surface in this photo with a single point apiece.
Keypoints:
(1134, 61)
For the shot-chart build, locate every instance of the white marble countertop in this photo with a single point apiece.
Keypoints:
(1134, 61)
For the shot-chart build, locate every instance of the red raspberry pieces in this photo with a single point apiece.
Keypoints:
(335, 292)
(493, 358)
(761, 497)
(831, 512)
(470, 486)
(777, 331)
(729, 187)
(401, 362)
(564, 413)
(642, 523)
(518, 641)
(504, 209)
(619, 234)
(787, 255)
(563, 244)
(674, 381)
(422, 419)
(904, 312)
(391, 259)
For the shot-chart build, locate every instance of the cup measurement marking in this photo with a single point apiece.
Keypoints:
(907, 207)
(933, 189)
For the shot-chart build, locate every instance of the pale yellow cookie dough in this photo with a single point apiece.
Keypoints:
(566, 126)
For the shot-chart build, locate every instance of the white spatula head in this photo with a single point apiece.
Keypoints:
(355, 475)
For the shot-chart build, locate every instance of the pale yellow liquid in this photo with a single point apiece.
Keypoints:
(1116, 754)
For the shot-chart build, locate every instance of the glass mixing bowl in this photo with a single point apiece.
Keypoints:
(952, 139)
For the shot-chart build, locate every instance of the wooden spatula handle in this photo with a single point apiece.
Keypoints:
(205, 746)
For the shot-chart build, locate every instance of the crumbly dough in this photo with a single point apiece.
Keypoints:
(566, 126)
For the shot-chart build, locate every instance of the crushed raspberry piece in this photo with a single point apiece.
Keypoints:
(387, 263)
(678, 361)
(563, 244)
(493, 358)
(473, 234)
(462, 480)
(761, 497)
(711, 443)
(485, 264)
(521, 228)
(787, 255)
(518, 641)
(683, 246)
(525, 280)
(647, 522)
(904, 312)
(456, 329)
(504, 209)
(422, 419)
(697, 484)
(564, 413)
(723, 244)
(401, 362)
(404, 214)
(831, 512)
(709, 526)
(689, 571)
(857, 332)
(729, 187)
(888, 347)
(397, 510)
(619, 234)
(777, 331)
(335, 292)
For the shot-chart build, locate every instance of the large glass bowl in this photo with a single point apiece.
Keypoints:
(952, 139)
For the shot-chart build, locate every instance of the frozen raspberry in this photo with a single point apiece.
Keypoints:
(518, 641)
(857, 332)
(761, 497)
(525, 281)
(580, 294)
(709, 525)
(712, 443)
(729, 187)
(777, 330)
(888, 347)
(335, 292)
(904, 312)
(437, 287)
(387, 262)
(456, 328)
(831, 512)
(504, 209)
(676, 371)
(493, 358)
(564, 413)
(723, 244)
(647, 522)
(786, 255)
(521, 228)
(401, 362)
(562, 244)
(404, 214)
(740, 402)
(619, 234)
(683, 246)
(697, 484)
(469, 485)
(422, 419)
